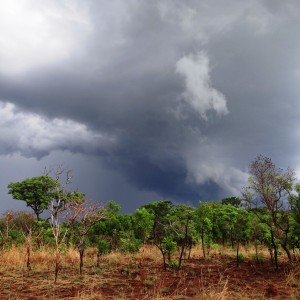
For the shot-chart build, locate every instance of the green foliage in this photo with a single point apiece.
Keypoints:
(241, 257)
(143, 222)
(110, 228)
(103, 247)
(169, 246)
(204, 224)
(37, 192)
(129, 244)
(174, 264)
(234, 201)
(268, 221)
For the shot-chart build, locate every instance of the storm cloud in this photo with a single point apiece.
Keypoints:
(148, 99)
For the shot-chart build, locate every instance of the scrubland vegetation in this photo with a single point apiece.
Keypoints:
(243, 247)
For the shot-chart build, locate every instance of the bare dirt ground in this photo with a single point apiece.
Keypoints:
(142, 277)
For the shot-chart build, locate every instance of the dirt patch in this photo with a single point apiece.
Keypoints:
(217, 277)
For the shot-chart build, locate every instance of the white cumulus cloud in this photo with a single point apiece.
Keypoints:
(199, 93)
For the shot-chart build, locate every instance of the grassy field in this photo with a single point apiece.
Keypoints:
(140, 276)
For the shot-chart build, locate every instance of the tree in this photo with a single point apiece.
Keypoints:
(294, 201)
(56, 206)
(73, 200)
(143, 222)
(161, 230)
(109, 228)
(37, 192)
(25, 222)
(203, 223)
(270, 186)
(241, 228)
(6, 225)
(180, 222)
(85, 215)
(234, 201)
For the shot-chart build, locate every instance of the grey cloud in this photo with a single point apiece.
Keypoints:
(33, 136)
(117, 79)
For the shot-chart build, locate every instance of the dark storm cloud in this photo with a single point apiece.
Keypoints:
(177, 97)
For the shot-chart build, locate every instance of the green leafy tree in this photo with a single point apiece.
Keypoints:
(203, 224)
(241, 228)
(182, 229)
(294, 236)
(260, 233)
(143, 221)
(234, 201)
(103, 248)
(222, 223)
(161, 230)
(37, 192)
(110, 227)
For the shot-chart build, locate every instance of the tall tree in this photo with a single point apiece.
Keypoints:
(270, 186)
(37, 192)
(203, 223)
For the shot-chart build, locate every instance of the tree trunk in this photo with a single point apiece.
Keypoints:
(98, 260)
(57, 264)
(164, 259)
(190, 249)
(256, 252)
(237, 254)
(184, 244)
(28, 252)
(275, 250)
(81, 253)
(287, 251)
(202, 242)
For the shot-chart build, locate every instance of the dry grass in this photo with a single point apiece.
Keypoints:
(13, 258)
(120, 275)
(293, 277)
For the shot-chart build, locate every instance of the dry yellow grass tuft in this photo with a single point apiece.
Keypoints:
(293, 277)
(13, 258)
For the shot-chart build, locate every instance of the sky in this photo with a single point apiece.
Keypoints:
(148, 100)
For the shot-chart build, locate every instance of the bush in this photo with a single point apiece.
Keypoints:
(241, 257)
(129, 245)
(174, 264)
(169, 246)
(103, 247)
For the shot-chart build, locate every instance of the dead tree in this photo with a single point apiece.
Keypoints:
(56, 207)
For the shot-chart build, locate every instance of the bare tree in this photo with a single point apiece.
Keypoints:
(8, 226)
(56, 207)
(80, 216)
(25, 222)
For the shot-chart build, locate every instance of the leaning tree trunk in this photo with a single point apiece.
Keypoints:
(287, 251)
